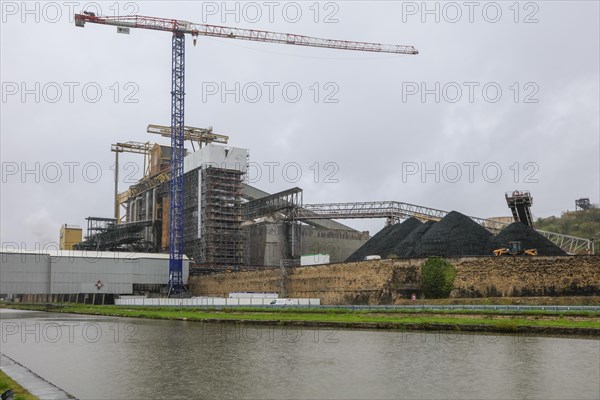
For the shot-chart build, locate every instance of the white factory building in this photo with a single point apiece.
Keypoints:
(50, 272)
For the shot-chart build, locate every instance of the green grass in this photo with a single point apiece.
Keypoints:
(20, 394)
(292, 310)
(492, 320)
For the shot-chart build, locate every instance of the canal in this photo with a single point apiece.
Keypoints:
(121, 358)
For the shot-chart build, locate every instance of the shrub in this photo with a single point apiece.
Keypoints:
(437, 278)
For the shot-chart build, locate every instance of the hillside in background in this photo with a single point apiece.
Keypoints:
(585, 224)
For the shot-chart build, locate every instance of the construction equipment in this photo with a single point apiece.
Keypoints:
(520, 203)
(179, 29)
(128, 147)
(202, 136)
(515, 249)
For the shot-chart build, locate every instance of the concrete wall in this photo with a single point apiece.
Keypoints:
(339, 244)
(269, 243)
(387, 281)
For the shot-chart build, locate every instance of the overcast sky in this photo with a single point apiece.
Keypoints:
(497, 88)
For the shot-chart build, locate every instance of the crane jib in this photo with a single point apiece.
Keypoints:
(194, 29)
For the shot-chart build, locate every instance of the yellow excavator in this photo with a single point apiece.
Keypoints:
(515, 249)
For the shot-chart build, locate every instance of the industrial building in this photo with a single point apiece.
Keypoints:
(228, 224)
(70, 235)
(197, 204)
(61, 273)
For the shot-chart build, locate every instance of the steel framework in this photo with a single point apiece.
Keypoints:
(520, 203)
(128, 147)
(202, 136)
(393, 210)
(286, 200)
(185, 27)
(96, 225)
(570, 244)
(177, 153)
(107, 235)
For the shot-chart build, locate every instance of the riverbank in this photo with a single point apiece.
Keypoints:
(19, 392)
(528, 322)
(506, 301)
(26, 384)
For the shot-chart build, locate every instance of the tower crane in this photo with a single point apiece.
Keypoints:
(179, 29)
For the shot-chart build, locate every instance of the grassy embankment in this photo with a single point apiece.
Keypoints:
(587, 323)
(19, 393)
(546, 300)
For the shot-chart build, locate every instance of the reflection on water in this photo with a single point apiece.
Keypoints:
(103, 357)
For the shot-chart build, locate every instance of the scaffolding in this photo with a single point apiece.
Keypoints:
(191, 233)
(222, 240)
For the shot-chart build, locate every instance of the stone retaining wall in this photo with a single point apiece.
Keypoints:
(387, 281)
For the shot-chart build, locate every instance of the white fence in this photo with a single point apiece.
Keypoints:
(253, 295)
(207, 301)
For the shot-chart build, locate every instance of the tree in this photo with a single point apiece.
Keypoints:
(437, 278)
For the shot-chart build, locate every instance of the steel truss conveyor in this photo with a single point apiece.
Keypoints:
(395, 211)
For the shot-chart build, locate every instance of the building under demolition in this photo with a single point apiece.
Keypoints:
(228, 224)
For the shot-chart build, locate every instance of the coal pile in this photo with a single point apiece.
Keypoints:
(529, 238)
(384, 241)
(367, 248)
(454, 235)
(397, 235)
(405, 248)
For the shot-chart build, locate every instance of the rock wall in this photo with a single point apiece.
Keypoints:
(528, 276)
(388, 281)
